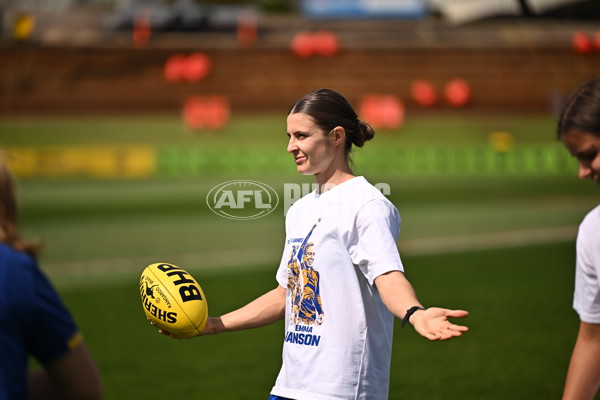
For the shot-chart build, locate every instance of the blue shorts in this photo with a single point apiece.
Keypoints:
(273, 397)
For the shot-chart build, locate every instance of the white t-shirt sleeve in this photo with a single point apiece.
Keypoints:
(373, 248)
(587, 280)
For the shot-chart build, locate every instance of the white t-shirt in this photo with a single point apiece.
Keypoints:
(587, 277)
(338, 332)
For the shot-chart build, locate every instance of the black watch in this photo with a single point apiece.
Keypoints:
(409, 313)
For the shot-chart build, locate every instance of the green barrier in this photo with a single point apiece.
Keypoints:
(197, 161)
(468, 160)
(108, 162)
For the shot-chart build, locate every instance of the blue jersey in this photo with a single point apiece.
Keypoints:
(33, 321)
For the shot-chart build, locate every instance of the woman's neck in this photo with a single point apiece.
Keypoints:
(336, 177)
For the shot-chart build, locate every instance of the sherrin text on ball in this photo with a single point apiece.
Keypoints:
(173, 300)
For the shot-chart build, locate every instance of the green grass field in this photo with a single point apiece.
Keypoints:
(100, 234)
(522, 330)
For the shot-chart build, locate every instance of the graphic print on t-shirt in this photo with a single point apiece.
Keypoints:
(303, 283)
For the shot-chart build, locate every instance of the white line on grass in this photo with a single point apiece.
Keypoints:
(487, 241)
(111, 269)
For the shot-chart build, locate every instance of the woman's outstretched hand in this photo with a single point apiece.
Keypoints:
(433, 324)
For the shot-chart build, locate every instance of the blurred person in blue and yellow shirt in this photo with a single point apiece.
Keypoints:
(35, 322)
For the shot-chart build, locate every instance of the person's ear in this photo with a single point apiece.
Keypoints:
(338, 136)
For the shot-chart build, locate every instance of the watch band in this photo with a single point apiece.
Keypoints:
(410, 312)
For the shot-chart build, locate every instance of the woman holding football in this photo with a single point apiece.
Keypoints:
(340, 280)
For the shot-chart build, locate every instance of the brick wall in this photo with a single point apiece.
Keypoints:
(107, 80)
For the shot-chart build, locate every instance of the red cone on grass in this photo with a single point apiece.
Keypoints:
(206, 112)
(382, 111)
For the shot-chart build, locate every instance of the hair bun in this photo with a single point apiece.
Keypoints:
(364, 132)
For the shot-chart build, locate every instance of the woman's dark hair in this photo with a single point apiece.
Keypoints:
(9, 233)
(330, 109)
(581, 112)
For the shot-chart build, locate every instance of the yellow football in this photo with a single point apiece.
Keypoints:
(173, 300)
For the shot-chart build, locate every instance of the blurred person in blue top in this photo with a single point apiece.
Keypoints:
(35, 322)
(579, 131)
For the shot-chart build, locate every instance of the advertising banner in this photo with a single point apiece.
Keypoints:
(364, 8)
